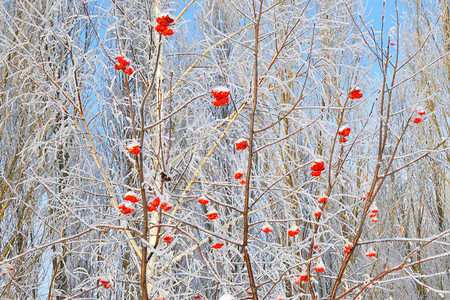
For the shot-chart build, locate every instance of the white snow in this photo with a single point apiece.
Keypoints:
(133, 144)
(226, 297)
(294, 228)
(220, 89)
(212, 211)
(127, 204)
(130, 193)
(165, 13)
(319, 263)
(420, 110)
(268, 226)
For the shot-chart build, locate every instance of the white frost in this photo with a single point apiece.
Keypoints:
(165, 13)
(226, 297)
(220, 89)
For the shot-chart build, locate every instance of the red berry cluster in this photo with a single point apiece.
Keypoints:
(294, 230)
(5, 268)
(217, 245)
(317, 168)
(105, 283)
(266, 228)
(420, 112)
(238, 174)
(164, 20)
(126, 208)
(212, 214)
(317, 212)
(241, 144)
(303, 276)
(371, 253)
(343, 132)
(132, 197)
(168, 238)
(355, 94)
(319, 267)
(123, 65)
(348, 246)
(203, 200)
(324, 199)
(134, 148)
(373, 212)
(153, 205)
(166, 206)
(220, 95)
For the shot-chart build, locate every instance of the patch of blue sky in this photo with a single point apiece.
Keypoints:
(374, 13)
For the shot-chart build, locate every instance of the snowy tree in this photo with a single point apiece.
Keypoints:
(223, 150)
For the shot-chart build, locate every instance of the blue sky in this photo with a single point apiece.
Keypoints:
(375, 8)
(373, 13)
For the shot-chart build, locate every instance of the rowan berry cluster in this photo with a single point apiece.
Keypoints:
(373, 212)
(266, 228)
(355, 93)
(164, 20)
(294, 230)
(241, 144)
(105, 283)
(318, 167)
(220, 94)
(319, 267)
(123, 64)
(126, 208)
(343, 132)
(418, 119)
(371, 253)
(134, 148)
(348, 246)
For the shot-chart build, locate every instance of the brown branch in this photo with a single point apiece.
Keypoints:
(248, 262)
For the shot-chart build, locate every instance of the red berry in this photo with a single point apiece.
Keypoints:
(203, 201)
(323, 200)
(217, 245)
(294, 231)
(241, 144)
(212, 214)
